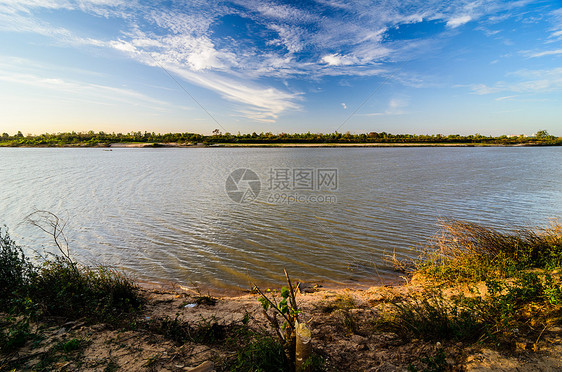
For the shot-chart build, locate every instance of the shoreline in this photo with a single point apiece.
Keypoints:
(365, 145)
(119, 145)
(232, 292)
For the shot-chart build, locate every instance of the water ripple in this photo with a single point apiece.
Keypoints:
(163, 214)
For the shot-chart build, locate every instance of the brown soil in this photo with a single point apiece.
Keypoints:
(343, 330)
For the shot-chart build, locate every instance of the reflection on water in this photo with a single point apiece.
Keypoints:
(163, 214)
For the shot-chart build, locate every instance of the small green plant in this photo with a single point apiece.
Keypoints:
(261, 354)
(15, 333)
(16, 327)
(432, 363)
(287, 308)
(552, 291)
(314, 363)
(294, 337)
(71, 345)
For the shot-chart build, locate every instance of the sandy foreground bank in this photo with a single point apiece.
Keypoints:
(342, 323)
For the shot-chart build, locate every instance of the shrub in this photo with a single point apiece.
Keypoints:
(15, 271)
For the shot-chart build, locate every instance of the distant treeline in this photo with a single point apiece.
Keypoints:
(92, 138)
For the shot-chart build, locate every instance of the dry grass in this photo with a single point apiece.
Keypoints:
(465, 251)
(517, 270)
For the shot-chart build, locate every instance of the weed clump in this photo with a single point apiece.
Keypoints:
(206, 331)
(262, 353)
(431, 317)
(16, 271)
(61, 287)
(514, 289)
(468, 252)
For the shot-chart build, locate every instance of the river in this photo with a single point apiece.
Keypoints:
(229, 217)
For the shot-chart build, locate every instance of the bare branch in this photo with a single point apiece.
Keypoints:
(291, 290)
(272, 305)
(51, 224)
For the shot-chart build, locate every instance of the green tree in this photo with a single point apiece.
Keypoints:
(542, 134)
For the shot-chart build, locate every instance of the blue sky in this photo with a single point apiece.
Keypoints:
(489, 67)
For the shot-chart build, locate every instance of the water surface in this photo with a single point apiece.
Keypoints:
(163, 214)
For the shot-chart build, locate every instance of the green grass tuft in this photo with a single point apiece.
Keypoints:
(66, 288)
(261, 354)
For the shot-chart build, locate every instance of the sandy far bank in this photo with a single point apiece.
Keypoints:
(350, 145)
(173, 144)
(148, 145)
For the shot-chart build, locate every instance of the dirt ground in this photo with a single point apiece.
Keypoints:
(343, 333)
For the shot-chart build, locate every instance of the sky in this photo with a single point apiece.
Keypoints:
(419, 67)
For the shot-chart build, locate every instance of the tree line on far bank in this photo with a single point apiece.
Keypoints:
(101, 138)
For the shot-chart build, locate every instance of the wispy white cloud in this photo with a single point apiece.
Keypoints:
(506, 98)
(17, 22)
(339, 60)
(282, 12)
(337, 4)
(488, 32)
(544, 53)
(530, 81)
(14, 6)
(263, 102)
(96, 93)
(325, 38)
(395, 106)
(292, 38)
(555, 19)
(458, 21)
